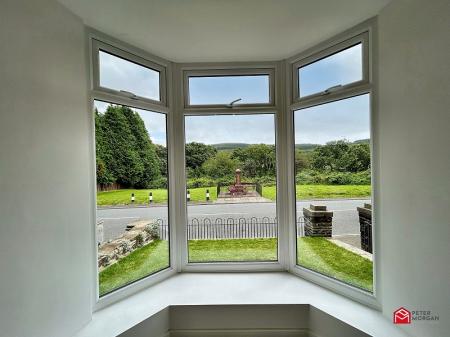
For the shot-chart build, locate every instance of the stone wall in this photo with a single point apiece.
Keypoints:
(318, 221)
(137, 235)
(365, 227)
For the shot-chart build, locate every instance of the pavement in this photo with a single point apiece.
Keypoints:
(345, 217)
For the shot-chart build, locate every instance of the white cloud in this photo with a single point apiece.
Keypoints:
(255, 129)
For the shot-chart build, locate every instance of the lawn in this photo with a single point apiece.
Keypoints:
(123, 197)
(233, 250)
(325, 257)
(140, 263)
(317, 254)
(306, 192)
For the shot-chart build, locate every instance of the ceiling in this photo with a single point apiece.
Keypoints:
(223, 30)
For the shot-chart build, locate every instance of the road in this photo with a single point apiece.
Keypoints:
(345, 217)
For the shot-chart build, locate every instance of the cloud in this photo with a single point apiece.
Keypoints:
(341, 68)
(119, 74)
(345, 119)
(255, 129)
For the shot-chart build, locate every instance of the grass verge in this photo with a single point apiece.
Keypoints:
(123, 197)
(140, 263)
(306, 192)
(233, 250)
(323, 256)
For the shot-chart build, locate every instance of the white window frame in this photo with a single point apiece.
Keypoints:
(96, 41)
(315, 56)
(120, 52)
(276, 79)
(251, 71)
(365, 33)
(284, 101)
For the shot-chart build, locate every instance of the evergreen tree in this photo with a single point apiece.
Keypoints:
(145, 149)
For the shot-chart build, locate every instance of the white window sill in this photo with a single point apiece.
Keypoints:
(234, 288)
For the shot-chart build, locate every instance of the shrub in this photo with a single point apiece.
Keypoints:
(311, 177)
(153, 230)
(266, 180)
(139, 240)
(201, 182)
(160, 182)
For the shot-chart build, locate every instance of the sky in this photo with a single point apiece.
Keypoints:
(345, 119)
(341, 68)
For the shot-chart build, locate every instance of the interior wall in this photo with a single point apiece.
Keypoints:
(414, 136)
(45, 206)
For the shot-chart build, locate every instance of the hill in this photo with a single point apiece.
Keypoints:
(230, 146)
(303, 147)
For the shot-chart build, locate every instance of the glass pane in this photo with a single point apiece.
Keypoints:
(225, 89)
(231, 188)
(119, 74)
(333, 190)
(341, 68)
(132, 212)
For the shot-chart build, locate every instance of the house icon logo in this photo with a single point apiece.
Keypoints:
(402, 316)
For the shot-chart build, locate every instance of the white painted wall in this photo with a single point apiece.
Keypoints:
(414, 135)
(45, 237)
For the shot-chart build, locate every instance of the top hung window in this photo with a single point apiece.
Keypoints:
(123, 73)
(229, 89)
(338, 67)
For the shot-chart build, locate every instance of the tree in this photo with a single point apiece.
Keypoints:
(161, 152)
(302, 160)
(257, 160)
(356, 159)
(220, 166)
(145, 149)
(196, 155)
(341, 156)
(104, 176)
(125, 153)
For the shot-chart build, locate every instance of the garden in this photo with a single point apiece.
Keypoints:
(318, 254)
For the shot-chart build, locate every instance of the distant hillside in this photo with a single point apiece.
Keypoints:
(303, 147)
(306, 147)
(230, 146)
(362, 141)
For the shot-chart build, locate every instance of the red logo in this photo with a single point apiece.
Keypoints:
(402, 316)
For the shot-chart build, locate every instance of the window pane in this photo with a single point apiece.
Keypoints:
(132, 212)
(341, 68)
(231, 188)
(333, 189)
(119, 74)
(225, 89)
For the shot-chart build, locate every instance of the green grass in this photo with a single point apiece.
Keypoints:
(199, 194)
(233, 250)
(325, 257)
(123, 197)
(140, 263)
(305, 192)
(317, 254)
